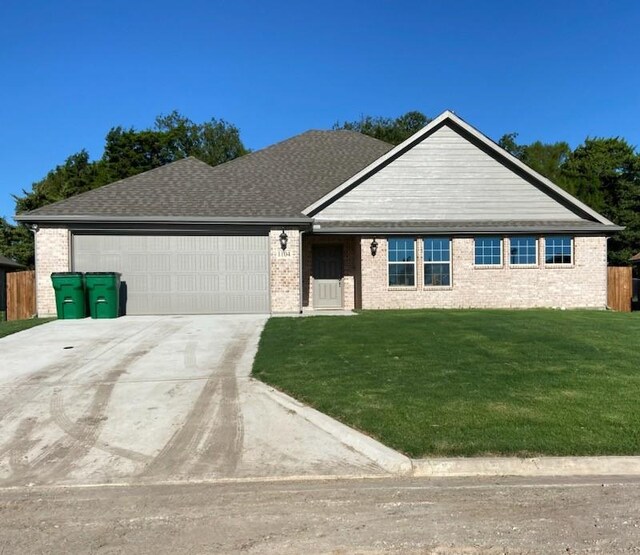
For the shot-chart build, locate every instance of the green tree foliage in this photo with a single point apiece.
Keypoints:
(545, 158)
(16, 242)
(77, 175)
(606, 175)
(389, 130)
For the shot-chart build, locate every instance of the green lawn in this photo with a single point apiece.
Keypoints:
(7, 328)
(467, 382)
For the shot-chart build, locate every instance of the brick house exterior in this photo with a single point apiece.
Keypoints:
(447, 219)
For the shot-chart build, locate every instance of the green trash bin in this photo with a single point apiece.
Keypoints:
(70, 296)
(103, 291)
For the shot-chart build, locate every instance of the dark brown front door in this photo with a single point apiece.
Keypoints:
(327, 276)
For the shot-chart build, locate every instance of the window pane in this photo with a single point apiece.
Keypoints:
(487, 251)
(401, 274)
(523, 250)
(557, 249)
(437, 250)
(437, 275)
(401, 249)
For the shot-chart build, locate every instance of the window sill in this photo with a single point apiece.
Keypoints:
(524, 266)
(402, 288)
(560, 266)
(437, 288)
(488, 266)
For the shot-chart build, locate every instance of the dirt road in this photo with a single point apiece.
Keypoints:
(342, 516)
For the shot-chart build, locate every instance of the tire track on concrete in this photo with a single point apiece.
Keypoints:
(80, 430)
(58, 460)
(21, 445)
(208, 437)
(27, 390)
(223, 447)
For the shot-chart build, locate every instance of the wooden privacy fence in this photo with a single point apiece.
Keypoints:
(21, 295)
(619, 288)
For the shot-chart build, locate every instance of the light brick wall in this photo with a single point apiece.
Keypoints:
(52, 255)
(349, 250)
(285, 271)
(583, 285)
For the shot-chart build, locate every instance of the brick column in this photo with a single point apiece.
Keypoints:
(52, 255)
(285, 271)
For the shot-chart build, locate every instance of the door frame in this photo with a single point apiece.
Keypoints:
(340, 280)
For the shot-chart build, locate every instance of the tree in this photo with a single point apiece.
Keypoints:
(214, 141)
(16, 242)
(393, 131)
(77, 175)
(545, 158)
(606, 175)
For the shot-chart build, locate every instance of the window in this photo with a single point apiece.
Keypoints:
(558, 249)
(437, 262)
(402, 262)
(523, 251)
(488, 251)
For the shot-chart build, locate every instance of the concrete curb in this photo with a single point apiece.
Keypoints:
(398, 464)
(385, 457)
(537, 466)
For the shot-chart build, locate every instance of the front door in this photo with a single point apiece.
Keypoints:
(327, 276)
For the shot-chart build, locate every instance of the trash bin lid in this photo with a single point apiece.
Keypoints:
(66, 274)
(111, 274)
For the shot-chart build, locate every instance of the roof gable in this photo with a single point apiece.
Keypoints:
(449, 171)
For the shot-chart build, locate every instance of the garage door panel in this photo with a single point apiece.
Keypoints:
(182, 274)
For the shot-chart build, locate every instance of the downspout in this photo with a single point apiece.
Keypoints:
(300, 269)
(33, 228)
(606, 273)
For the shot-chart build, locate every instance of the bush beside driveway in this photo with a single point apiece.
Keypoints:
(464, 383)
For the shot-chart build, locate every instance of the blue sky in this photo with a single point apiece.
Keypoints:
(69, 71)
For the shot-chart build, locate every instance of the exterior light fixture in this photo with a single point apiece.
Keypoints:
(374, 247)
(283, 240)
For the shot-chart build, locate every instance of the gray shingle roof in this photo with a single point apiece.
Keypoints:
(9, 263)
(278, 181)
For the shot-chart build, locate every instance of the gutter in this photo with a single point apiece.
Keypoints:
(33, 228)
(381, 230)
(242, 220)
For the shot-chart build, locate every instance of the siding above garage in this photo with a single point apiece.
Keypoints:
(446, 177)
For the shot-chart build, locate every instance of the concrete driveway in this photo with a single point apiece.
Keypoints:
(151, 399)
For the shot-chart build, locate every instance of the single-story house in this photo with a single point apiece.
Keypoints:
(330, 220)
(6, 265)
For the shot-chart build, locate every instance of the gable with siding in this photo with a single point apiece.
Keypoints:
(446, 177)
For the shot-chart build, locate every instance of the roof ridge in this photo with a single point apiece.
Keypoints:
(269, 148)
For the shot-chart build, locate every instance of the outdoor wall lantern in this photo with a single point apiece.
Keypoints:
(283, 240)
(374, 247)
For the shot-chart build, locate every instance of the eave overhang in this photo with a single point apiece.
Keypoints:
(163, 220)
(462, 228)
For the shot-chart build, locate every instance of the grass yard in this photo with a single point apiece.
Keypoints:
(467, 382)
(7, 328)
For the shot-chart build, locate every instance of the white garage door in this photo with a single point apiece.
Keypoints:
(167, 274)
